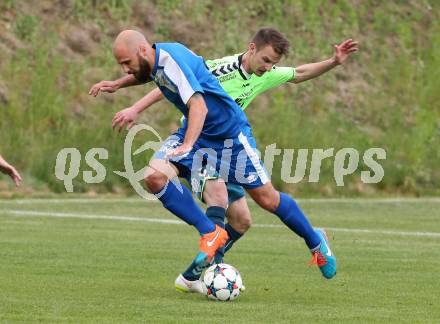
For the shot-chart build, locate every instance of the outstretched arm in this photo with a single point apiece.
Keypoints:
(129, 115)
(312, 70)
(8, 169)
(112, 86)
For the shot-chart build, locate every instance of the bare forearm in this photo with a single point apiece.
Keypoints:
(3, 163)
(148, 100)
(127, 81)
(5, 167)
(312, 70)
(196, 119)
(113, 86)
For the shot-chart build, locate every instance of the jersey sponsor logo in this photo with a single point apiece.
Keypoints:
(240, 101)
(227, 77)
(243, 97)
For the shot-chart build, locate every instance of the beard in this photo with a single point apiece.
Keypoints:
(143, 75)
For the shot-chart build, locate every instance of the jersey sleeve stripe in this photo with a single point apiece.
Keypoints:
(176, 75)
(254, 158)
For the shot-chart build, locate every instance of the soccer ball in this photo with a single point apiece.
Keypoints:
(222, 282)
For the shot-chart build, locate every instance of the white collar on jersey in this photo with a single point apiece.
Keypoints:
(241, 69)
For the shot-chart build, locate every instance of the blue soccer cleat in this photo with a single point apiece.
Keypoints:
(323, 256)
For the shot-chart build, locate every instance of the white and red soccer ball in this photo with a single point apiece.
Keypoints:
(222, 282)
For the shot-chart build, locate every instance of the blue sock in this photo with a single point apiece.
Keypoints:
(233, 237)
(183, 206)
(217, 216)
(194, 271)
(291, 215)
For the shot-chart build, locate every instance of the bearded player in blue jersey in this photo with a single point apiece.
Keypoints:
(182, 76)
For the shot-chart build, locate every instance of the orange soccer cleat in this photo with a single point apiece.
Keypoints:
(210, 243)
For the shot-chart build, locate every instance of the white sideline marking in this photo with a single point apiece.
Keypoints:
(83, 216)
(75, 200)
(300, 200)
(31, 213)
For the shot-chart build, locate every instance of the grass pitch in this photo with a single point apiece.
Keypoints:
(114, 261)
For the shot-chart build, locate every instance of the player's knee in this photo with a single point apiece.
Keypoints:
(266, 197)
(239, 216)
(155, 181)
(218, 199)
(241, 225)
(245, 223)
(215, 194)
(268, 202)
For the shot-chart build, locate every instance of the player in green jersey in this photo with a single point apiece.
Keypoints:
(243, 77)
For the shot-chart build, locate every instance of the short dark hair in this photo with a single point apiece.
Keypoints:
(270, 36)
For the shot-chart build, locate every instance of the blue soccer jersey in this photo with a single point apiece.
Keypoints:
(179, 73)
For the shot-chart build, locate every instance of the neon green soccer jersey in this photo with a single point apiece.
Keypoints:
(240, 85)
(243, 88)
